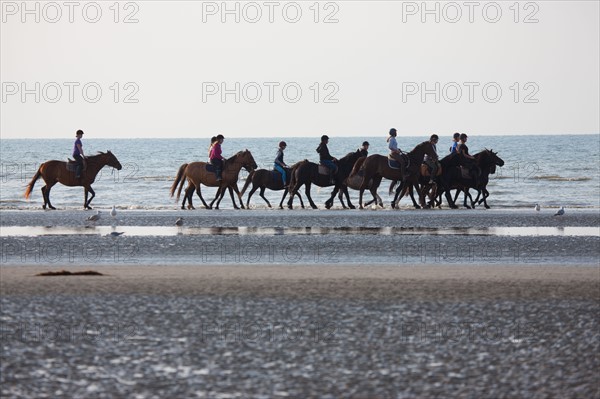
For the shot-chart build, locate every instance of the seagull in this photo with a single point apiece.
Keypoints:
(537, 207)
(113, 212)
(116, 233)
(179, 222)
(560, 212)
(94, 218)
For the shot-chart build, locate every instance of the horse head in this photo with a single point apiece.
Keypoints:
(497, 160)
(112, 161)
(247, 160)
(421, 149)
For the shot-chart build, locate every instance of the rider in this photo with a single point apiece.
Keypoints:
(216, 159)
(326, 159)
(455, 140)
(395, 152)
(78, 154)
(213, 140)
(364, 149)
(432, 162)
(462, 148)
(280, 166)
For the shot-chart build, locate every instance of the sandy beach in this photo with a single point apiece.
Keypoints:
(229, 306)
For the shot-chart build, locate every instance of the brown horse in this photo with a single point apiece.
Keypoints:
(263, 179)
(60, 172)
(196, 174)
(305, 173)
(376, 167)
(355, 181)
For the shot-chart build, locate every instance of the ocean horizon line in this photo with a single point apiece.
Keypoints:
(301, 137)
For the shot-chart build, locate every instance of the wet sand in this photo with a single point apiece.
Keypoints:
(351, 315)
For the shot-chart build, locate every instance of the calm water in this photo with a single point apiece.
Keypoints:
(549, 170)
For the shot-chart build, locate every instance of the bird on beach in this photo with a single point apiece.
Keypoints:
(94, 218)
(537, 207)
(179, 222)
(113, 212)
(560, 212)
(116, 233)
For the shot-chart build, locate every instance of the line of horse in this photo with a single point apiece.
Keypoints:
(356, 170)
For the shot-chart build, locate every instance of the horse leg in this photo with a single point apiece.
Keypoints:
(350, 204)
(85, 197)
(87, 204)
(293, 192)
(465, 194)
(250, 194)
(341, 198)
(188, 196)
(412, 195)
(485, 195)
(215, 199)
(237, 191)
(400, 191)
(44, 196)
(329, 202)
(285, 193)
(47, 195)
(300, 198)
(262, 194)
(231, 189)
(310, 200)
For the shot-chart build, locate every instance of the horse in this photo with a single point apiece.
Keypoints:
(355, 181)
(271, 179)
(486, 161)
(62, 172)
(442, 181)
(306, 173)
(377, 166)
(196, 173)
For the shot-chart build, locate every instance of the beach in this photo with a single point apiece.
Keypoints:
(367, 308)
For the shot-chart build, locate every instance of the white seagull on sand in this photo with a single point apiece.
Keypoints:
(537, 207)
(560, 212)
(113, 212)
(94, 218)
(179, 222)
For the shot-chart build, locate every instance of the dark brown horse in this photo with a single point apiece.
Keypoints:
(263, 179)
(486, 162)
(196, 174)
(376, 167)
(442, 181)
(305, 173)
(60, 172)
(355, 181)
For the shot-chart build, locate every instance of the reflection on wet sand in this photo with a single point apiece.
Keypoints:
(28, 231)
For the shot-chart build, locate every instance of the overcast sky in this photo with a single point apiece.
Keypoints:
(345, 68)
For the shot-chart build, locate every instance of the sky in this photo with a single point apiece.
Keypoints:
(147, 69)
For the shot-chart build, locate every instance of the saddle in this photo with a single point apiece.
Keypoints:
(426, 171)
(324, 170)
(72, 165)
(393, 164)
(210, 168)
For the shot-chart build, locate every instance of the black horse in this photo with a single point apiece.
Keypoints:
(442, 182)
(305, 173)
(486, 162)
(263, 179)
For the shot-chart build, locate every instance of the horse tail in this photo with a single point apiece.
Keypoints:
(248, 181)
(37, 175)
(357, 166)
(179, 180)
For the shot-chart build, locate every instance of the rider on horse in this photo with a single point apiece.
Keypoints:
(432, 162)
(216, 159)
(395, 152)
(325, 157)
(78, 153)
(280, 166)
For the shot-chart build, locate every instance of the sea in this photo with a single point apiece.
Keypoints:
(551, 170)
